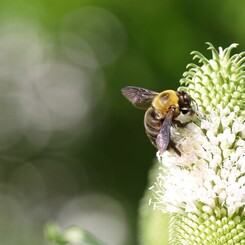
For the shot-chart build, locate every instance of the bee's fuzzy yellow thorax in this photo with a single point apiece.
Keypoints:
(163, 101)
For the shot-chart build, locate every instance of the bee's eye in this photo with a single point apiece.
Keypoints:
(184, 111)
(188, 98)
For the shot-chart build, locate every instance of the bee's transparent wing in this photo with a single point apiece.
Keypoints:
(163, 137)
(141, 98)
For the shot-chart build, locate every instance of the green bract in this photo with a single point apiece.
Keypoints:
(218, 81)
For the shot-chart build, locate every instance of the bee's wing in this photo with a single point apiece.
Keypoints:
(163, 137)
(141, 98)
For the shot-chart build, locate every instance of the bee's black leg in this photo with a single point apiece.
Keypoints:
(173, 146)
(180, 124)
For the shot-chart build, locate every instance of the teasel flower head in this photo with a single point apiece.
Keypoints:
(204, 188)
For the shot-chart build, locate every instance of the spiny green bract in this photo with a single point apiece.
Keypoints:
(219, 81)
(210, 229)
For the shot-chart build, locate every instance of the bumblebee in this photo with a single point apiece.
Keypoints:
(164, 110)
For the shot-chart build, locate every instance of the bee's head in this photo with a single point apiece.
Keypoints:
(188, 107)
(185, 102)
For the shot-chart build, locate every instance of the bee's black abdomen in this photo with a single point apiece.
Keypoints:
(152, 125)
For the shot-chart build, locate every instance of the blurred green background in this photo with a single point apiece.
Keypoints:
(73, 150)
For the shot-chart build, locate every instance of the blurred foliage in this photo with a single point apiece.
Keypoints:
(153, 223)
(71, 235)
(72, 148)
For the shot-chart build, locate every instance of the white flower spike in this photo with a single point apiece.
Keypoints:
(204, 189)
